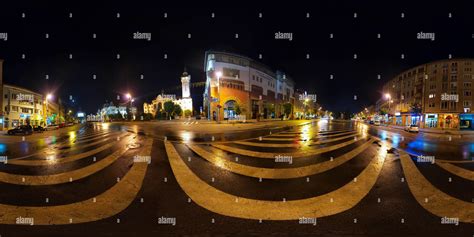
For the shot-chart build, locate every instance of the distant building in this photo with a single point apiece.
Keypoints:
(108, 110)
(237, 83)
(434, 95)
(186, 102)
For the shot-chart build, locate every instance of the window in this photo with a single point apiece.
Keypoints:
(444, 104)
(467, 84)
(466, 103)
(467, 93)
(432, 104)
(15, 108)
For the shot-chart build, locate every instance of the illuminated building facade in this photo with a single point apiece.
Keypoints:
(238, 85)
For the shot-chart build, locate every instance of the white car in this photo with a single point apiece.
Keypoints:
(51, 127)
(377, 123)
(412, 128)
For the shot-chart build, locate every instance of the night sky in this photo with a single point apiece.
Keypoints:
(352, 77)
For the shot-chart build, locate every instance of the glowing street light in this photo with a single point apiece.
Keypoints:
(387, 96)
(128, 95)
(49, 96)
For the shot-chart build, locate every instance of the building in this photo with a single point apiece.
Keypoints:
(22, 106)
(185, 102)
(236, 85)
(109, 111)
(433, 95)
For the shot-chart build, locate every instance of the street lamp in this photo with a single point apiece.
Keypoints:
(49, 97)
(218, 75)
(131, 100)
(389, 98)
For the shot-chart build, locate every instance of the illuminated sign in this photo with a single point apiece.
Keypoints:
(80, 115)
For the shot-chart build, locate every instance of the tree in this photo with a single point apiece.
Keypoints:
(177, 110)
(237, 109)
(415, 108)
(188, 113)
(168, 107)
(383, 112)
(287, 109)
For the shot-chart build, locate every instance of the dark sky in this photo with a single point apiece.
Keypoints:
(256, 36)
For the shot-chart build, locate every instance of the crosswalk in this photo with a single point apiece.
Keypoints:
(74, 158)
(309, 162)
(301, 156)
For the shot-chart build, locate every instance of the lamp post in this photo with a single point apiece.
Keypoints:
(218, 75)
(130, 99)
(49, 96)
(389, 98)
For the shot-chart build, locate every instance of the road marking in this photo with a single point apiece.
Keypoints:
(223, 203)
(45, 150)
(105, 205)
(276, 145)
(279, 173)
(64, 177)
(271, 155)
(463, 173)
(300, 138)
(439, 203)
(62, 159)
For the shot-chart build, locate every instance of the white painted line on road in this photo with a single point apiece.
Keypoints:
(223, 203)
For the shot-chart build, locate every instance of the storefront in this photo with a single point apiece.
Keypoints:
(431, 120)
(448, 121)
(398, 119)
(466, 121)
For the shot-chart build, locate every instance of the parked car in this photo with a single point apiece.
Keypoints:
(62, 125)
(377, 123)
(23, 129)
(38, 129)
(70, 124)
(371, 122)
(412, 128)
(51, 127)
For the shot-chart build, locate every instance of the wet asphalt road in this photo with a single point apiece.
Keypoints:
(388, 209)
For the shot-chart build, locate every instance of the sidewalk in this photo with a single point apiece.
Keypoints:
(438, 130)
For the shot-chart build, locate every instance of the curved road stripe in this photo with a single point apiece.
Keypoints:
(456, 170)
(107, 204)
(299, 138)
(62, 177)
(261, 144)
(280, 173)
(439, 203)
(455, 161)
(45, 150)
(61, 160)
(270, 155)
(226, 204)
